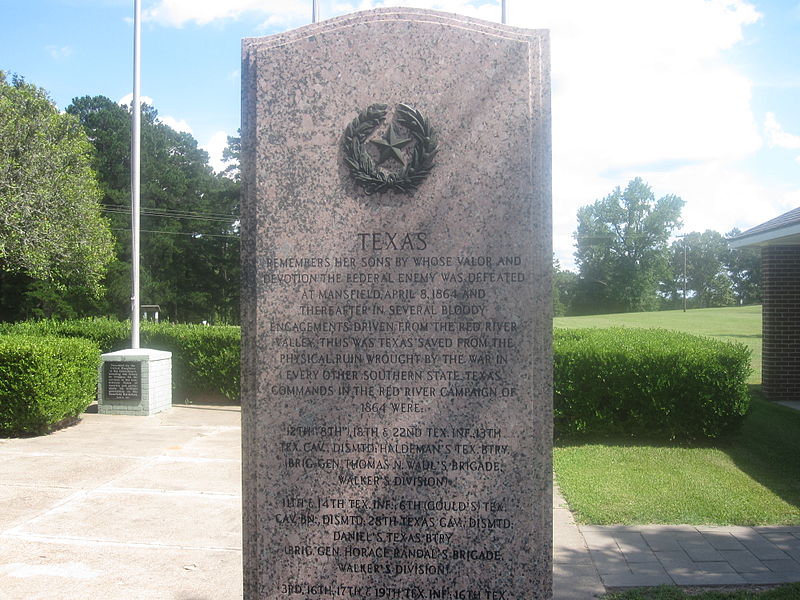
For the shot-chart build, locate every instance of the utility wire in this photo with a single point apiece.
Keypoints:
(168, 211)
(176, 214)
(191, 233)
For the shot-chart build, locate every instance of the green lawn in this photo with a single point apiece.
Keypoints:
(736, 324)
(784, 592)
(750, 479)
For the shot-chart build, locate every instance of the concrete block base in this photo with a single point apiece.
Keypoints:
(135, 382)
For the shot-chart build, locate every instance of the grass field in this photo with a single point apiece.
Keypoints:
(751, 479)
(735, 324)
(784, 592)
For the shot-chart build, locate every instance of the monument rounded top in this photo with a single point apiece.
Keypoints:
(397, 14)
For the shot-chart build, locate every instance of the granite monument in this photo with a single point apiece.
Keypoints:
(396, 231)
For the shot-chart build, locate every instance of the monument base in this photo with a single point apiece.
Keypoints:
(135, 382)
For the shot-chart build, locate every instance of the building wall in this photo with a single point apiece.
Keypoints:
(781, 322)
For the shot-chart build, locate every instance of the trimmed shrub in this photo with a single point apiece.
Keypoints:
(205, 359)
(108, 334)
(648, 383)
(44, 381)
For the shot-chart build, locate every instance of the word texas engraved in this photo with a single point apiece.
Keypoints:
(364, 169)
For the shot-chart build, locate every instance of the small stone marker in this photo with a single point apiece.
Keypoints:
(135, 382)
(396, 376)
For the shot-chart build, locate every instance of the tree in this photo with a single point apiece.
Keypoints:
(706, 276)
(621, 249)
(51, 227)
(232, 154)
(189, 215)
(744, 269)
(564, 286)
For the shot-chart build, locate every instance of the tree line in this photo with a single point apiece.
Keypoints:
(629, 260)
(65, 235)
(65, 231)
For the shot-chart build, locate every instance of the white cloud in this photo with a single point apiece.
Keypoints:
(214, 146)
(644, 89)
(640, 82)
(489, 11)
(719, 196)
(59, 53)
(177, 125)
(777, 137)
(127, 100)
(639, 89)
(177, 13)
(279, 13)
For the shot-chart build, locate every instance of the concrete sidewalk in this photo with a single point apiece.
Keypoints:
(124, 508)
(149, 508)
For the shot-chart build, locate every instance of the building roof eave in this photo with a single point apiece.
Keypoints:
(783, 236)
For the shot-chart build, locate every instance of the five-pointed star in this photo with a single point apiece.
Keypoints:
(391, 145)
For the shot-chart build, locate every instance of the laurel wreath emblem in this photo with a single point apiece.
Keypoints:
(363, 168)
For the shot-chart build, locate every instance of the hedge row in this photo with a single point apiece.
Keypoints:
(205, 359)
(648, 383)
(634, 382)
(44, 381)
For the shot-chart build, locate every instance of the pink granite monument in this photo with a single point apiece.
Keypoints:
(396, 231)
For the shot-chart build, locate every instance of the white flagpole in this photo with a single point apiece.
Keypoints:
(503, 11)
(314, 11)
(136, 126)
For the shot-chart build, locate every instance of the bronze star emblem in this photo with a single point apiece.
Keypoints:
(390, 146)
(417, 164)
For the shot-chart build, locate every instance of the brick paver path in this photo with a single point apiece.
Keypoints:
(589, 559)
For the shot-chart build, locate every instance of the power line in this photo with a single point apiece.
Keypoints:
(191, 233)
(173, 214)
(121, 207)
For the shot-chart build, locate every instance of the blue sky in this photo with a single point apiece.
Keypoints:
(698, 97)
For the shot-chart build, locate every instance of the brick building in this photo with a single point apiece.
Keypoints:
(779, 241)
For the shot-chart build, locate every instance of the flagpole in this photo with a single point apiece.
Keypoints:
(314, 11)
(136, 126)
(503, 11)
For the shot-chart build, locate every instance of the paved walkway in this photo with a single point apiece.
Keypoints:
(589, 559)
(149, 508)
(124, 508)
